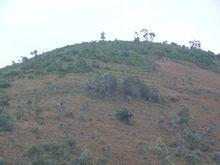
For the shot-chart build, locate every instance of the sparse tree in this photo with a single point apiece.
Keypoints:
(144, 33)
(136, 37)
(152, 35)
(34, 53)
(24, 59)
(195, 44)
(102, 36)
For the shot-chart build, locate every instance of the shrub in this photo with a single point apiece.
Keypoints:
(163, 152)
(124, 115)
(134, 87)
(19, 115)
(6, 122)
(4, 84)
(53, 150)
(154, 96)
(4, 101)
(72, 143)
(183, 116)
(104, 85)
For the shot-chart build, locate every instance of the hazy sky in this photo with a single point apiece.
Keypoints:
(26, 25)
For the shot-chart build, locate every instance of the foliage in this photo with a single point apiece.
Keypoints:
(134, 87)
(72, 143)
(124, 115)
(4, 84)
(163, 152)
(73, 59)
(6, 122)
(104, 85)
(183, 116)
(4, 101)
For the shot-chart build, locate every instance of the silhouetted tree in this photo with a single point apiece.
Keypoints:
(144, 33)
(102, 36)
(24, 59)
(136, 37)
(195, 44)
(152, 35)
(34, 53)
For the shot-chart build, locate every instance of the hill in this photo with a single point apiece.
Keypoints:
(112, 102)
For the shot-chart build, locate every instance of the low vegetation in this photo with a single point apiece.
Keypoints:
(6, 122)
(124, 115)
(107, 84)
(111, 102)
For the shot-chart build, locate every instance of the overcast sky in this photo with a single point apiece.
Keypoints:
(26, 25)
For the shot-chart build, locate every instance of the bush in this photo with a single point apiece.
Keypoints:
(183, 117)
(4, 84)
(4, 101)
(19, 115)
(134, 87)
(124, 115)
(6, 122)
(53, 150)
(72, 143)
(104, 85)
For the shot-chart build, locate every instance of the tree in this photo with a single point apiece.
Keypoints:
(195, 44)
(144, 33)
(102, 36)
(34, 53)
(136, 37)
(152, 35)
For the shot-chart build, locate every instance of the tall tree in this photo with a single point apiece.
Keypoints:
(195, 44)
(102, 36)
(136, 37)
(34, 53)
(144, 33)
(152, 35)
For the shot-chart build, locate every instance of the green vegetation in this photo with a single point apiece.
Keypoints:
(58, 153)
(124, 115)
(104, 85)
(76, 58)
(130, 87)
(4, 101)
(163, 152)
(134, 87)
(6, 122)
(4, 84)
(74, 91)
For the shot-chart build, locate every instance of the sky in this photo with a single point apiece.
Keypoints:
(26, 25)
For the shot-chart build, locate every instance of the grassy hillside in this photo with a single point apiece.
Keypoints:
(111, 102)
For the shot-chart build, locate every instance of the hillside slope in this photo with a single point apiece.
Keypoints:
(111, 103)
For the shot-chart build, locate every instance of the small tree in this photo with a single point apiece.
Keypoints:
(195, 44)
(144, 33)
(124, 115)
(152, 35)
(34, 53)
(136, 37)
(102, 36)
